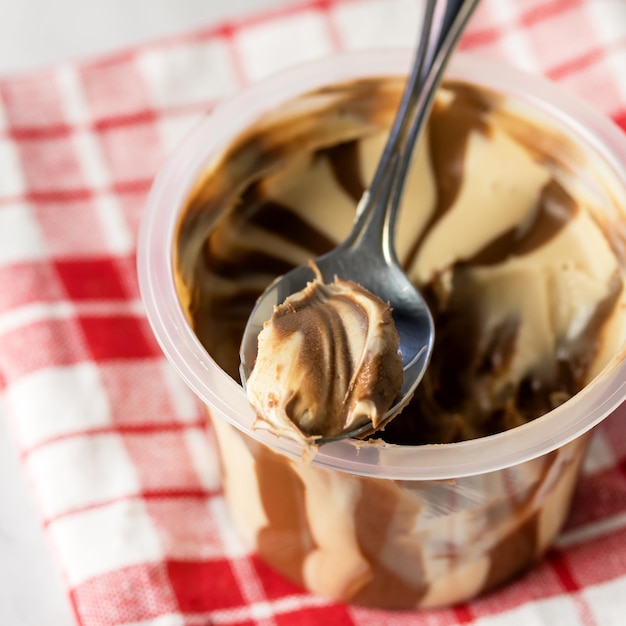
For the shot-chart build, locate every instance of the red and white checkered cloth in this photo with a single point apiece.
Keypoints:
(114, 445)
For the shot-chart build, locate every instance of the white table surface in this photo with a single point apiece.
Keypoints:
(35, 33)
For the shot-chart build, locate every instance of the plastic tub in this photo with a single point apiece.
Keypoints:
(385, 526)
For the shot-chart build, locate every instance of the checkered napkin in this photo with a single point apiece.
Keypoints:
(114, 445)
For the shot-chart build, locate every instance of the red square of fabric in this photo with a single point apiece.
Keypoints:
(91, 279)
(334, 615)
(204, 586)
(118, 337)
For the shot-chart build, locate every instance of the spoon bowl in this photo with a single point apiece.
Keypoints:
(380, 276)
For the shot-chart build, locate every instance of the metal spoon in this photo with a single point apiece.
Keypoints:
(368, 256)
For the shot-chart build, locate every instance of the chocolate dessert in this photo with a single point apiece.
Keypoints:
(505, 227)
(328, 362)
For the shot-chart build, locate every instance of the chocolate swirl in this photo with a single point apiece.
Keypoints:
(327, 363)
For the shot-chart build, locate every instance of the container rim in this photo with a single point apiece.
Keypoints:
(226, 398)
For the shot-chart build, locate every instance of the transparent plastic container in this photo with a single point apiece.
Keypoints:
(384, 526)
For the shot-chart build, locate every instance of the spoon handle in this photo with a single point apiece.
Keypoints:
(410, 97)
(442, 25)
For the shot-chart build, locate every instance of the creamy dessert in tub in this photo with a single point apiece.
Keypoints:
(523, 270)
